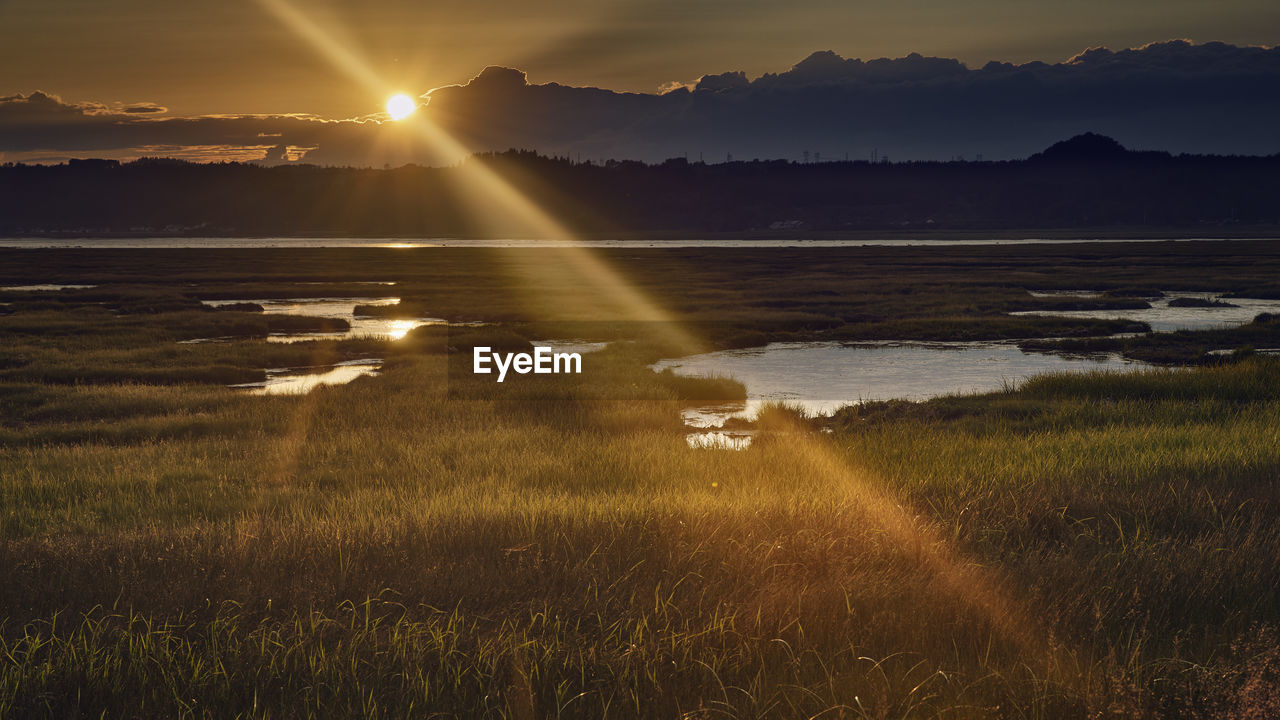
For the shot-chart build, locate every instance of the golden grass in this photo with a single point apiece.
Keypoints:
(406, 549)
(425, 544)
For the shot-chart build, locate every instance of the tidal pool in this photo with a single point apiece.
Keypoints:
(720, 440)
(571, 346)
(1163, 318)
(823, 376)
(336, 307)
(46, 287)
(300, 381)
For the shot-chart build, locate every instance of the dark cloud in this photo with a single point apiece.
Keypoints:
(1172, 95)
(143, 109)
(40, 127)
(723, 81)
(1175, 95)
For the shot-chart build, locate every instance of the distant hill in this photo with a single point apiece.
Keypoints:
(1083, 148)
(1088, 181)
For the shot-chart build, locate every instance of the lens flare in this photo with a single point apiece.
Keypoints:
(978, 588)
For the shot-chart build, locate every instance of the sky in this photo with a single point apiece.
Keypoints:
(236, 79)
(220, 56)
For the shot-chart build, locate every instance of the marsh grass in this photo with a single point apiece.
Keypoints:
(352, 551)
(426, 543)
(1182, 347)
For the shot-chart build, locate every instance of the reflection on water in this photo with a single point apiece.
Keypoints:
(336, 307)
(296, 381)
(581, 347)
(821, 377)
(713, 416)
(45, 287)
(397, 329)
(342, 307)
(1065, 293)
(719, 440)
(347, 282)
(383, 328)
(1163, 318)
(410, 243)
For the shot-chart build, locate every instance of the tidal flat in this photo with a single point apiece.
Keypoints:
(426, 542)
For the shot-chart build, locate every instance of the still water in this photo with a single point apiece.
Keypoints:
(337, 307)
(821, 377)
(44, 287)
(300, 381)
(1163, 318)
(302, 242)
(571, 346)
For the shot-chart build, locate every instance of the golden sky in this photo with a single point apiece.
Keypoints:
(219, 56)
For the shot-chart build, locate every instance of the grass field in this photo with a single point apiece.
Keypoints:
(426, 543)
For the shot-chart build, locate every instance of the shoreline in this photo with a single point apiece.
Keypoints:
(659, 242)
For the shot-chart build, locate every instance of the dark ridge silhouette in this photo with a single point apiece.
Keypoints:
(1087, 182)
(1088, 147)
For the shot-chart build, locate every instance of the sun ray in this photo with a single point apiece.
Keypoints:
(322, 40)
(590, 270)
(973, 585)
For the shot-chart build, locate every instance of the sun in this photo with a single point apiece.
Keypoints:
(401, 106)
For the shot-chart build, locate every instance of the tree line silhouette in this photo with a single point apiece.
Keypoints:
(1089, 181)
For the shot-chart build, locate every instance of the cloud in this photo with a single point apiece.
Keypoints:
(41, 127)
(723, 81)
(674, 85)
(1173, 95)
(145, 108)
